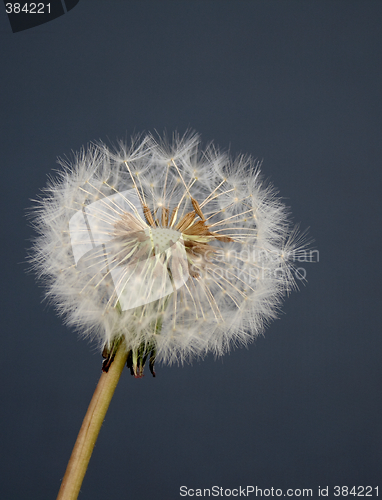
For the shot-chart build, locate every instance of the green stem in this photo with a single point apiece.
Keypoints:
(87, 437)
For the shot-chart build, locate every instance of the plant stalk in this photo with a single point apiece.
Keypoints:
(87, 437)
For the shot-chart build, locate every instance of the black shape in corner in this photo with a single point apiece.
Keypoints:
(24, 15)
(70, 4)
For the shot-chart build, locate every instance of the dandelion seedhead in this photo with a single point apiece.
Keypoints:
(175, 250)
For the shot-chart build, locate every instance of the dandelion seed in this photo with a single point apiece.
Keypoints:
(177, 251)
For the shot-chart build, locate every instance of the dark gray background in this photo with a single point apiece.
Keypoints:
(295, 83)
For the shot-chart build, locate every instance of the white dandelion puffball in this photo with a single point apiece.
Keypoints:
(175, 250)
